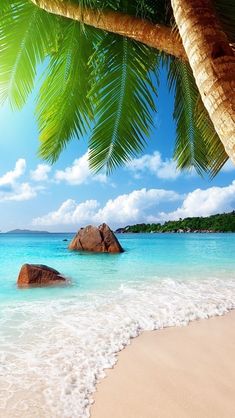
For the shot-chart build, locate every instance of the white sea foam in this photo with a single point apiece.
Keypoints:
(52, 354)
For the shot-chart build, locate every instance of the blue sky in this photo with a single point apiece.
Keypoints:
(65, 196)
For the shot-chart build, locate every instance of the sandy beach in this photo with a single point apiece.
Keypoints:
(186, 372)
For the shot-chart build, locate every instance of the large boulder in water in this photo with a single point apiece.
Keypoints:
(39, 275)
(99, 240)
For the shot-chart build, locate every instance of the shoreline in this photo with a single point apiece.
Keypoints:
(186, 372)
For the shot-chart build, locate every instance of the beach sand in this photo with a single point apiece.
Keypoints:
(186, 372)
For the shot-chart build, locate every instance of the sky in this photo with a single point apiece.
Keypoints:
(66, 196)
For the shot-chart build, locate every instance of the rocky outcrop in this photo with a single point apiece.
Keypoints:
(100, 240)
(39, 275)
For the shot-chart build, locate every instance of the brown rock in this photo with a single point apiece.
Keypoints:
(38, 275)
(100, 240)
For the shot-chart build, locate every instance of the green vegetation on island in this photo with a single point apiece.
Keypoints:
(224, 222)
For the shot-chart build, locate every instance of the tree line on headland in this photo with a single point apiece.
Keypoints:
(224, 222)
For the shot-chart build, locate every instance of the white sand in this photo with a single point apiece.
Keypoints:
(186, 372)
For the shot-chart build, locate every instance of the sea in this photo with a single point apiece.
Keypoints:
(56, 343)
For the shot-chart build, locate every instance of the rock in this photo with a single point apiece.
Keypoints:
(110, 241)
(38, 275)
(100, 240)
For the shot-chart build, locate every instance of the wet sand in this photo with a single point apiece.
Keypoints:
(186, 372)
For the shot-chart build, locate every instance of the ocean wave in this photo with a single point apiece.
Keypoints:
(53, 353)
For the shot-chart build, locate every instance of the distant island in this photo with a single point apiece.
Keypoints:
(26, 231)
(224, 222)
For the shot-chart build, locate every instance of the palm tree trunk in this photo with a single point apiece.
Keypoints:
(156, 36)
(207, 48)
(213, 64)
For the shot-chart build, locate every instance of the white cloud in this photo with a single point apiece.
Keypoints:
(153, 163)
(19, 193)
(10, 177)
(79, 173)
(139, 205)
(69, 213)
(13, 190)
(132, 207)
(41, 172)
(204, 203)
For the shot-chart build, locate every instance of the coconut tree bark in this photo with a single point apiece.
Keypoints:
(205, 46)
(156, 36)
(213, 64)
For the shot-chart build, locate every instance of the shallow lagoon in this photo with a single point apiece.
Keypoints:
(56, 342)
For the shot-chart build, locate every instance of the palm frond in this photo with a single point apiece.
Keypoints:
(189, 147)
(217, 156)
(120, 72)
(197, 143)
(123, 97)
(63, 109)
(26, 35)
(226, 14)
(5, 6)
(157, 12)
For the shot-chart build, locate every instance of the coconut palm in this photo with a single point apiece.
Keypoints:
(102, 61)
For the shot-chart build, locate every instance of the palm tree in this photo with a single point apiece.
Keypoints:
(102, 72)
(212, 61)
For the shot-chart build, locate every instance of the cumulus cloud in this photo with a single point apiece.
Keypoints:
(41, 172)
(19, 193)
(11, 176)
(204, 203)
(11, 189)
(69, 213)
(140, 205)
(79, 173)
(126, 208)
(134, 207)
(154, 164)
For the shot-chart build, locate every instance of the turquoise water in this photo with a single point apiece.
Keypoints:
(55, 343)
(146, 256)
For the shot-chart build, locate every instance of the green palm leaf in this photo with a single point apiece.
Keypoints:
(217, 156)
(5, 6)
(197, 143)
(123, 97)
(26, 34)
(226, 14)
(63, 109)
(190, 149)
(120, 72)
(157, 12)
